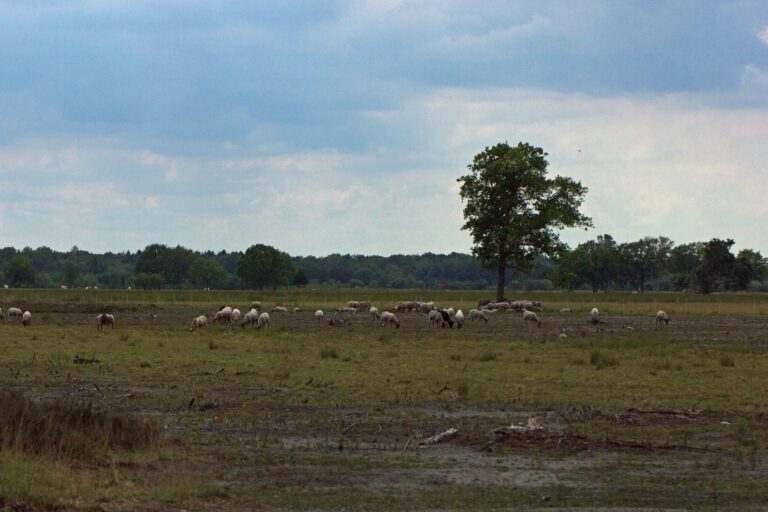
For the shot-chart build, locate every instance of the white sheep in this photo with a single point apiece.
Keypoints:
(279, 309)
(256, 305)
(459, 319)
(319, 315)
(235, 316)
(104, 319)
(373, 312)
(297, 309)
(223, 315)
(251, 318)
(26, 319)
(388, 318)
(263, 321)
(199, 322)
(12, 312)
(662, 316)
(436, 318)
(348, 309)
(476, 314)
(530, 316)
(594, 316)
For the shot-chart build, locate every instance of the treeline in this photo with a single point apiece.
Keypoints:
(600, 264)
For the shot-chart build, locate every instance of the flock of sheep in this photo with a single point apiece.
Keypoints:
(25, 317)
(437, 317)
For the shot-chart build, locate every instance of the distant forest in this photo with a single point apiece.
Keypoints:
(600, 264)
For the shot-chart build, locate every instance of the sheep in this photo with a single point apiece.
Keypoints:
(279, 309)
(459, 319)
(594, 316)
(223, 315)
(530, 316)
(251, 318)
(26, 319)
(199, 322)
(499, 305)
(319, 315)
(404, 306)
(426, 307)
(476, 314)
(662, 316)
(104, 319)
(373, 312)
(388, 318)
(297, 309)
(13, 312)
(348, 309)
(447, 318)
(263, 321)
(256, 305)
(236, 315)
(436, 318)
(566, 310)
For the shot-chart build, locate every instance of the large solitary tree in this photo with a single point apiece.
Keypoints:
(514, 211)
(263, 265)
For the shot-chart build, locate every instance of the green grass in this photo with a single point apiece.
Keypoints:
(303, 415)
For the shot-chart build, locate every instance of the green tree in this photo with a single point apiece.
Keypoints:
(264, 266)
(19, 271)
(207, 273)
(643, 261)
(756, 261)
(149, 281)
(716, 267)
(70, 273)
(513, 210)
(683, 260)
(300, 278)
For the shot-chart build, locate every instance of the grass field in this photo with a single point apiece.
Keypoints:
(308, 416)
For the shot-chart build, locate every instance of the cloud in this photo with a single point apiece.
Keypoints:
(763, 35)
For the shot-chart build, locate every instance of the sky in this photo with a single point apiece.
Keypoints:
(342, 126)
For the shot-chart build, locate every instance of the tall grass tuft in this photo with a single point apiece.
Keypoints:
(602, 360)
(69, 429)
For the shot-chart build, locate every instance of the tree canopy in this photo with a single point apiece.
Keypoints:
(264, 266)
(513, 210)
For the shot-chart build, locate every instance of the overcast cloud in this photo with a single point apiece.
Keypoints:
(322, 127)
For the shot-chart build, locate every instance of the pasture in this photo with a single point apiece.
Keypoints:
(307, 416)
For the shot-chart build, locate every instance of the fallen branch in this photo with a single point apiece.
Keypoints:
(439, 438)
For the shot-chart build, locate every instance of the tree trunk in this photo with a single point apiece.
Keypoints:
(501, 277)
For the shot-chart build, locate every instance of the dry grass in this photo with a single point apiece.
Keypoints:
(69, 429)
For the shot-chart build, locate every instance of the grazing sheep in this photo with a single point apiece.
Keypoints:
(436, 318)
(447, 318)
(662, 316)
(459, 319)
(319, 315)
(407, 305)
(476, 314)
(530, 316)
(13, 312)
(223, 315)
(256, 305)
(279, 309)
(235, 316)
(594, 316)
(251, 318)
(566, 310)
(297, 309)
(388, 318)
(199, 322)
(263, 321)
(373, 312)
(104, 319)
(26, 319)
(348, 309)
(426, 307)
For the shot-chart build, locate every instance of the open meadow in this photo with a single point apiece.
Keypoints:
(307, 416)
